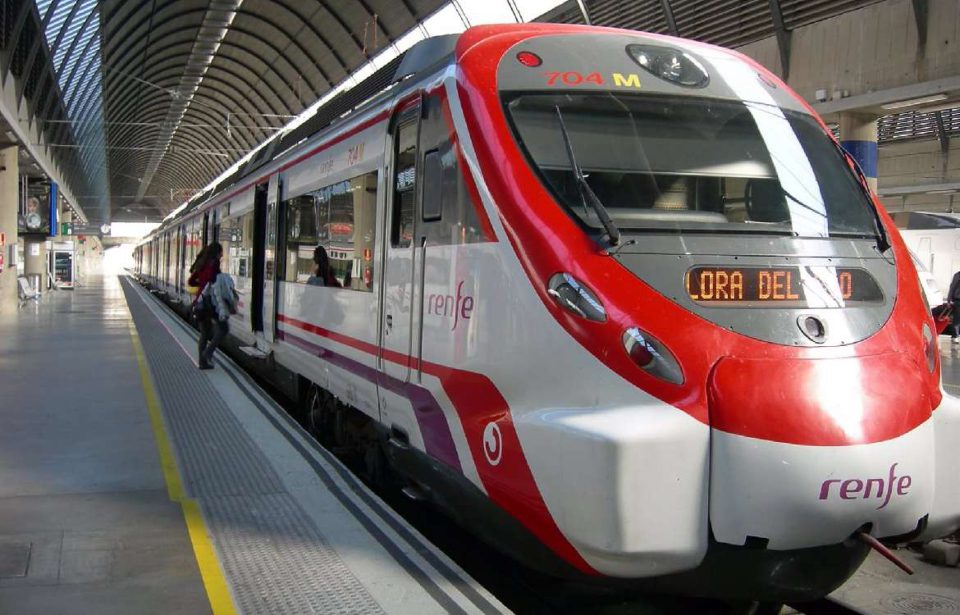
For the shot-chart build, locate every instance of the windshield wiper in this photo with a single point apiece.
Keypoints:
(883, 243)
(587, 194)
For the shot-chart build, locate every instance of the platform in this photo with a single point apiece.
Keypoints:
(131, 482)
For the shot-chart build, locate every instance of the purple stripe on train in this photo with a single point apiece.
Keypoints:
(437, 439)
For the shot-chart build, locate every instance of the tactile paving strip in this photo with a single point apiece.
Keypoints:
(275, 558)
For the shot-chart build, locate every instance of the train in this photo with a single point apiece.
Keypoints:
(617, 302)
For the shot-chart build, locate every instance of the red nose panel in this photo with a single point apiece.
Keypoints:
(822, 402)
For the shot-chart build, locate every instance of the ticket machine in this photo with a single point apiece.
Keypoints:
(62, 265)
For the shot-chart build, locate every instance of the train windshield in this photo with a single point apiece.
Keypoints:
(687, 163)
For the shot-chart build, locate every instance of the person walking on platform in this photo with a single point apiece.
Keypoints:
(222, 295)
(203, 271)
(953, 299)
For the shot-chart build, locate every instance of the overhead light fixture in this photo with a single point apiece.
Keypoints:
(913, 102)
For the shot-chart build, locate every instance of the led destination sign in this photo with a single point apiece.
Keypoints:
(781, 286)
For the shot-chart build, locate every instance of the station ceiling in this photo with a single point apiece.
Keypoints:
(163, 95)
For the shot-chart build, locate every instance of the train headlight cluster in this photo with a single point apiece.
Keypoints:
(670, 65)
(930, 349)
(651, 355)
(573, 296)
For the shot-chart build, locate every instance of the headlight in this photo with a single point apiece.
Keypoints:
(651, 355)
(670, 64)
(573, 296)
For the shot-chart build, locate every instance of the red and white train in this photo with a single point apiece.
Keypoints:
(617, 301)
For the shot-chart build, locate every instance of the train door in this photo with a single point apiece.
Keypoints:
(167, 244)
(259, 232)
(271, 204)
(215, 221)
(397, 323)
(182, 259)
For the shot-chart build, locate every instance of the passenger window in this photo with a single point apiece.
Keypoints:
(302, 237)
(432, 187)
(340, 219)
(237, 240)
(405, 186)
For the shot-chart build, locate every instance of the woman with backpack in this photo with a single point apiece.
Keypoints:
(216, 300)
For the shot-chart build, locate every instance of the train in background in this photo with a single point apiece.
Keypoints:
(934, 239)
(615, 301)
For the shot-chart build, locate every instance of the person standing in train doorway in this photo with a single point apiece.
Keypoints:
(953, 298)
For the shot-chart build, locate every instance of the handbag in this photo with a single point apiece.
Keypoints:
(202, 307)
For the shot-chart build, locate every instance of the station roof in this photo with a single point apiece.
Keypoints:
(150, 101)
(189, 86)
(158, 98)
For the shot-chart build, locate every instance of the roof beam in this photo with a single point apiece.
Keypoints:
(920, 12)
(668, 15)
(944, 143)
(216, 24)
(583, 12)
(22, 15)
(783, 38)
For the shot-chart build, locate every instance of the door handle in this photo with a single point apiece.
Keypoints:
(389, 322)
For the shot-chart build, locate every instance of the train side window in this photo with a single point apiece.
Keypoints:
(347, 223)
(432, 187)
(405, 186)
(340, 217)
(237, 240)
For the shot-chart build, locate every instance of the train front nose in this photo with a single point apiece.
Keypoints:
(805, 452)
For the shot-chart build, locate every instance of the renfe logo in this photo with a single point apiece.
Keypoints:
(459, 307)
(855, 488)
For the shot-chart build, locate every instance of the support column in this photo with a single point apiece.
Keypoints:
(858, 135)
(35, 261)
(9, 208)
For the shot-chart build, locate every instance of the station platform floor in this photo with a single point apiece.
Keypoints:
(131, 482)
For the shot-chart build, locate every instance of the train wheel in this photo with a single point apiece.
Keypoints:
(317, 412)
(376, 470)
(338, 426)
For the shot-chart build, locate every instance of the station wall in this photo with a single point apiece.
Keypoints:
(868, 49)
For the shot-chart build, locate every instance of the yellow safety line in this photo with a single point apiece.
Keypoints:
(214, 582)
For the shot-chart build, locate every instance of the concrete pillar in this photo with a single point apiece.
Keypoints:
(9, 208)
(35, 260)
(858, 135)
